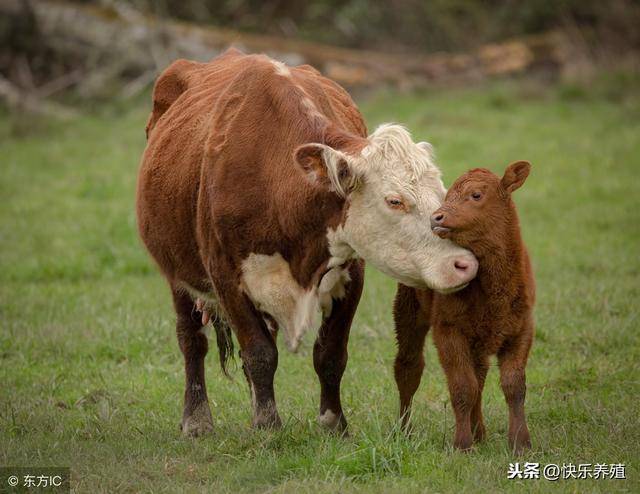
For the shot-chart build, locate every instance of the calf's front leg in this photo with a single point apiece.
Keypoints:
(477, 422)
(455, 357)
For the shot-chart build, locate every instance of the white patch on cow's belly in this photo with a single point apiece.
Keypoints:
(268, 282)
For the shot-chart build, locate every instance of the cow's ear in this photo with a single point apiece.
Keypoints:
(425, 146)
(326, 167)
(515, 175)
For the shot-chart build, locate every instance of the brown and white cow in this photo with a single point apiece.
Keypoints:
(259, 195)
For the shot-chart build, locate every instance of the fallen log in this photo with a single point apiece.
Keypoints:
(136, 44)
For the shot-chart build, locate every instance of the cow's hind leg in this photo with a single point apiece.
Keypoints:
(196, 417)
(330, 352)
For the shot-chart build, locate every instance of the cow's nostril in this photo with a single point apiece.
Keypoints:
(438, 217)
(461, 265)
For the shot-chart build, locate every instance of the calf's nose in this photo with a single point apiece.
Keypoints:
(436, 219)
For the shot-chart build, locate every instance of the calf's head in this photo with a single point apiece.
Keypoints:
(478, 206)
(391, 186)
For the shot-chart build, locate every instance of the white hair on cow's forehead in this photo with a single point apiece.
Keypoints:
(393, 143)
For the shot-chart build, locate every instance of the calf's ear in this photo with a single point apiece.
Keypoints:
(515, 175)
(326, 167)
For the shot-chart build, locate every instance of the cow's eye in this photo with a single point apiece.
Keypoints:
(395, 203)
(476, 196)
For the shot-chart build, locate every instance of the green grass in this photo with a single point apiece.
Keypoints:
(91, 375)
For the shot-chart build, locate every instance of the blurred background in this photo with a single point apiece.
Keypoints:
(106, 48)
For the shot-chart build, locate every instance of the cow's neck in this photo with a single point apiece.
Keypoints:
(340, 250)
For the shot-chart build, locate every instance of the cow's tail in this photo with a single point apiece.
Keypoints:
(224, 340)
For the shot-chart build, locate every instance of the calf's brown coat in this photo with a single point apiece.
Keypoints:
(491, 316)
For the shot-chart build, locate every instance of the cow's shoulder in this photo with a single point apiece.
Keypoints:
(308, 68)
(341, 102)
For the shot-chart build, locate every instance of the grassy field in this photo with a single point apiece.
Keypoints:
(91, 375)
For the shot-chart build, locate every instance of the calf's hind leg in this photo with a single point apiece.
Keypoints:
(410, 316)
(196, 416)
(512, 360)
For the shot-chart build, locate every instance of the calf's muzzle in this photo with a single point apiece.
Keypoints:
(437, 224)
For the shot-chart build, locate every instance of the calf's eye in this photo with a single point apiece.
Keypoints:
(476, 196)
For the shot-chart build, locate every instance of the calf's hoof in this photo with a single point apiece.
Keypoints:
(520, 446)
(480, 433)
(463, 444)
(333, 422)
(199, 422)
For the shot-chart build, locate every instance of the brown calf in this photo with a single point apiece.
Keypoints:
(493, 315)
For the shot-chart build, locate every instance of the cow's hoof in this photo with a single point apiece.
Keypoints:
(266, 417)
(199, 423)
(407, 428)
(334, 422)
(267, 423)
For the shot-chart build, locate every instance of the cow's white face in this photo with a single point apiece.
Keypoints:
(393, 187)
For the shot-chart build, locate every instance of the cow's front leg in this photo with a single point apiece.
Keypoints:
(257, 350)
(259, 362)
(330, 350)
(196, 416)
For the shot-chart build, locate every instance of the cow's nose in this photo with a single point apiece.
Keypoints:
(436, 219)
(461, 264)
(466, 268)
